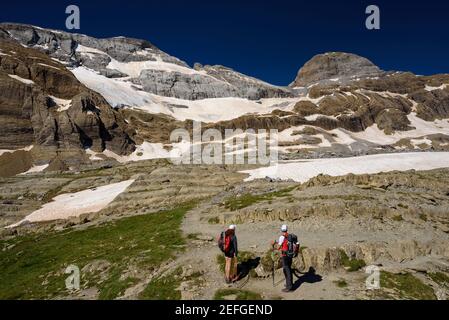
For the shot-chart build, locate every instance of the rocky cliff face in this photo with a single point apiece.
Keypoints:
(63, 45)
(44, 105)
(335, 66)
(146, 65)
(59, 91)
(209, 82)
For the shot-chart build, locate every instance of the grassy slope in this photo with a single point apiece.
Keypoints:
(163, 288)
(246, 200)
(407, 286)
(33, 266)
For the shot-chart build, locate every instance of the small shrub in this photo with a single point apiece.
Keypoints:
(351, 265)
(423, 217)
(404, 206)
(213, 220)
(341, 283)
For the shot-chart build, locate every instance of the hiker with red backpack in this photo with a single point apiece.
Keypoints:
(227, 242)
(289, 247)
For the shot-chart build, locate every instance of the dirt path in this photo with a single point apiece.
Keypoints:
(313, 232)
(254, 238)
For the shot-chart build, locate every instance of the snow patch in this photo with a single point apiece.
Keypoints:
(422, 128)
(69, 205)
(35, 169)
(430, 88)
(134, 68)
(2, 151)
(92, 155)
(62, 104)
(82, 49)
(314, 117)
(302, 171)
(417, 142)
(48, 66)
(23, 80)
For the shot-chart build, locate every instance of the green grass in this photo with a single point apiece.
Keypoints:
(220, 259)
(221, 294)
(34, 267)
(440, 278)
(406, 286)
(351, 265)
(246, 200)
(163, 288)
(166, 287)
(114, 287)
(341, 283)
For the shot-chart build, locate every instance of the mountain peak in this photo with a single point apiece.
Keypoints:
(335, 65)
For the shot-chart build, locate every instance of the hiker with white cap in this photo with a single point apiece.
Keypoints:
(289, 247)
(227, 242)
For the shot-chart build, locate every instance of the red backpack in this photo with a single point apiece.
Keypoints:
(224, 242)
(227, 244)
(290, 246)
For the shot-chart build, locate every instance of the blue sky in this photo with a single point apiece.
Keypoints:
(270, 40)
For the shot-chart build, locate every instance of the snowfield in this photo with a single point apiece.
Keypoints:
(119, 92)
(302, 171)
(422, 128)
(74, 204)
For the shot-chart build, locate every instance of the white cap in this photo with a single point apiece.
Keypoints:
(284, 228)
(232, 227)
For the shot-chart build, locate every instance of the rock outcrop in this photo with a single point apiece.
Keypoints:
(167, 76)
(44, 105)
(335, 66)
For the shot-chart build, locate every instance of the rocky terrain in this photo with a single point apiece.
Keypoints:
(86, 177)
(397, 221)
(335, 67)
(45, 109)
